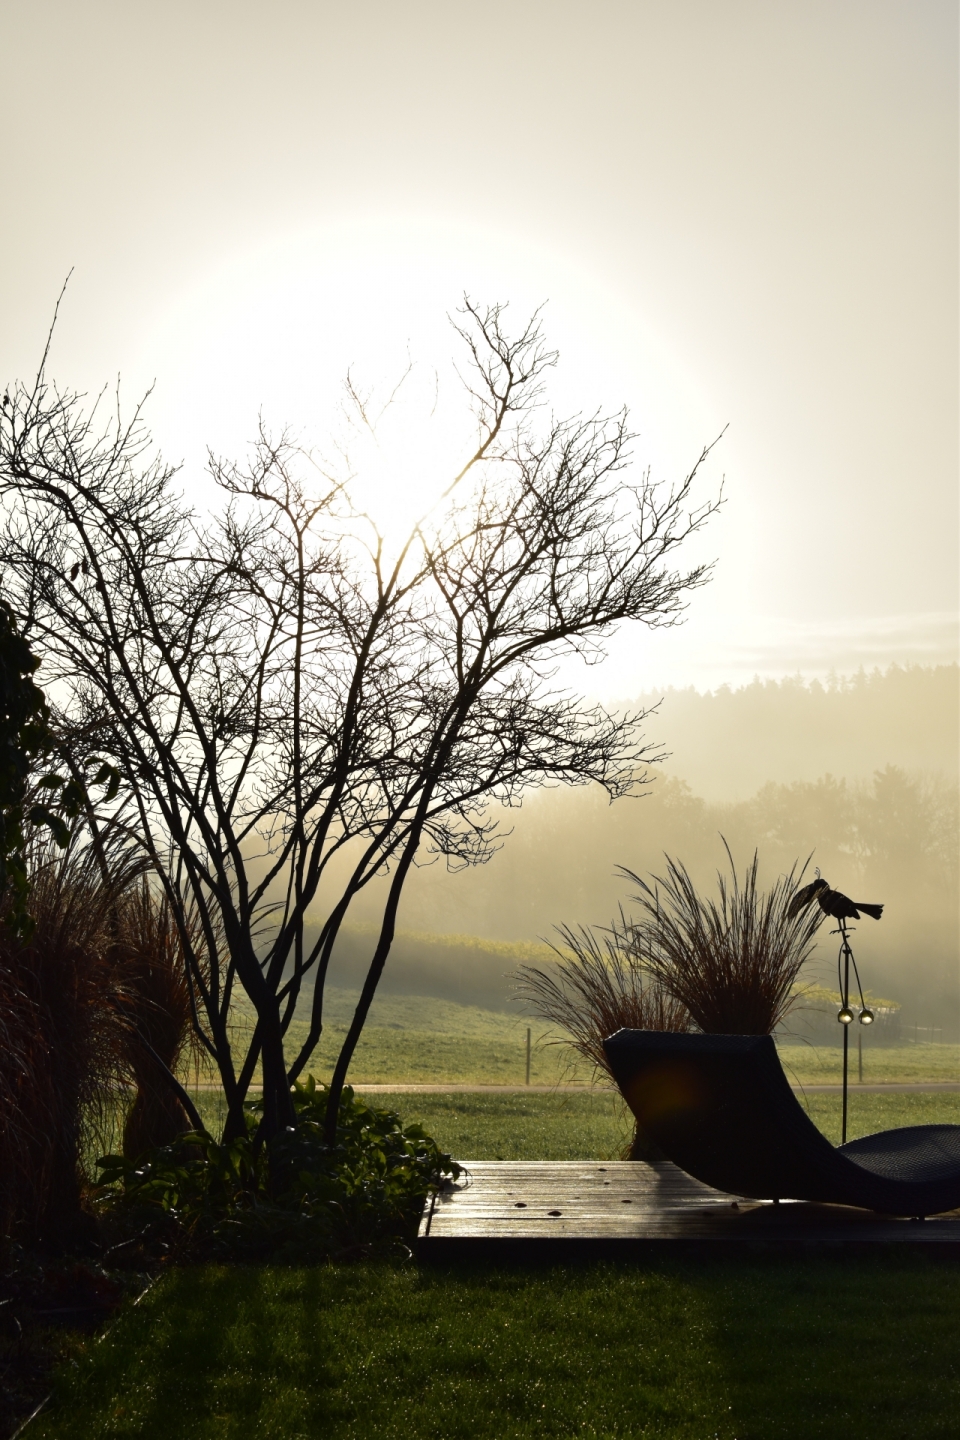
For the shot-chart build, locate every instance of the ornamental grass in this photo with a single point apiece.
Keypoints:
(600, 984)
(100, 970)
(731, 962)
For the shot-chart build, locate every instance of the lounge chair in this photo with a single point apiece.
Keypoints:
(721, 1108)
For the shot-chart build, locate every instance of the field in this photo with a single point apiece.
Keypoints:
(882, 1064)
(423, 1040)
(594, 1125)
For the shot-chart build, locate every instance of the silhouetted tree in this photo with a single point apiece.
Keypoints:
(28, 800)
(24, 738)
(282, 694)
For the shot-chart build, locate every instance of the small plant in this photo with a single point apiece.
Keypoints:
(296, 1198)
(600, 984)
(731, 963)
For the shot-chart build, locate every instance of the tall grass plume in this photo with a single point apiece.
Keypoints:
(731, 962)
(600, 983)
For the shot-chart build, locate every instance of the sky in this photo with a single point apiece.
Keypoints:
(742, 217)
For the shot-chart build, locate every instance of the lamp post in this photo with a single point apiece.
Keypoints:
(845, 1014)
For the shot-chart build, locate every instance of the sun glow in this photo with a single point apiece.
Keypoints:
(400, 447)
(344, 335)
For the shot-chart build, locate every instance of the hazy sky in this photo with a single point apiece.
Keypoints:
(738, 212)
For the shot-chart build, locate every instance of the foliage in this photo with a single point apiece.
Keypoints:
(27, 801)
(280, 680)
(732, 965)
(25, 739)
(293, 1198)
(600, 985)
(24, 735)
(795, 730)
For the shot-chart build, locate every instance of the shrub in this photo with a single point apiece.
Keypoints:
(296, 1199)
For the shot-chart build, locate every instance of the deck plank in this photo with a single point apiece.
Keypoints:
(521, 1207)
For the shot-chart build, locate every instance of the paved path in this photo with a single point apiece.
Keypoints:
(399, 1088)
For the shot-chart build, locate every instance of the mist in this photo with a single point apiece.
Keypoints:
(858, 774)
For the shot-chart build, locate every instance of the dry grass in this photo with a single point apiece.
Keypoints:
(600, 984)
(101, 969)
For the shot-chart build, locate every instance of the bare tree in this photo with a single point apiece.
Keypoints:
(278, 693)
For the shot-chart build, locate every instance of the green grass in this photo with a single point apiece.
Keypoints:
(882, 1064)
(593, 1125)
(782, 1350)
(415, 1039)
(419, 1039)
(868, 1113)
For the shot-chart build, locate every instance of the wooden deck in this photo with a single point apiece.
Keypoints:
(525, 1210)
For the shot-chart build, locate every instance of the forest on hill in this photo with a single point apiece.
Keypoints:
(728, 743)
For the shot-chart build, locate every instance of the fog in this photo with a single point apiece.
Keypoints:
(859, 773)
(748, 218)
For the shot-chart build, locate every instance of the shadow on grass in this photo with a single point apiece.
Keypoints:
(839, 1344)
(391, 1352)
(826, 1346)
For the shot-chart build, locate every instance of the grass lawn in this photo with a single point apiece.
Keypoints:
(716, 1350)
(419, 1039)
(781, 1350)
(882, 1064)
(593, 1125)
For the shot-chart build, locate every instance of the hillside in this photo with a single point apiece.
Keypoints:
(887, 833)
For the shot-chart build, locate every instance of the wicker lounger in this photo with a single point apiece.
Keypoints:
(721, 1107)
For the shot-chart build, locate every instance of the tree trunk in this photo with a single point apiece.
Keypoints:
(278, 1110)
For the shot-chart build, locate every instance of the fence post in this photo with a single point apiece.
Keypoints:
(528, 1054)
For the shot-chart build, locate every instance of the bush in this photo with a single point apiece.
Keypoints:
(297, 1199)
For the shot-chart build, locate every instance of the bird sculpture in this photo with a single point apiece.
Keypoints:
(831, 902)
